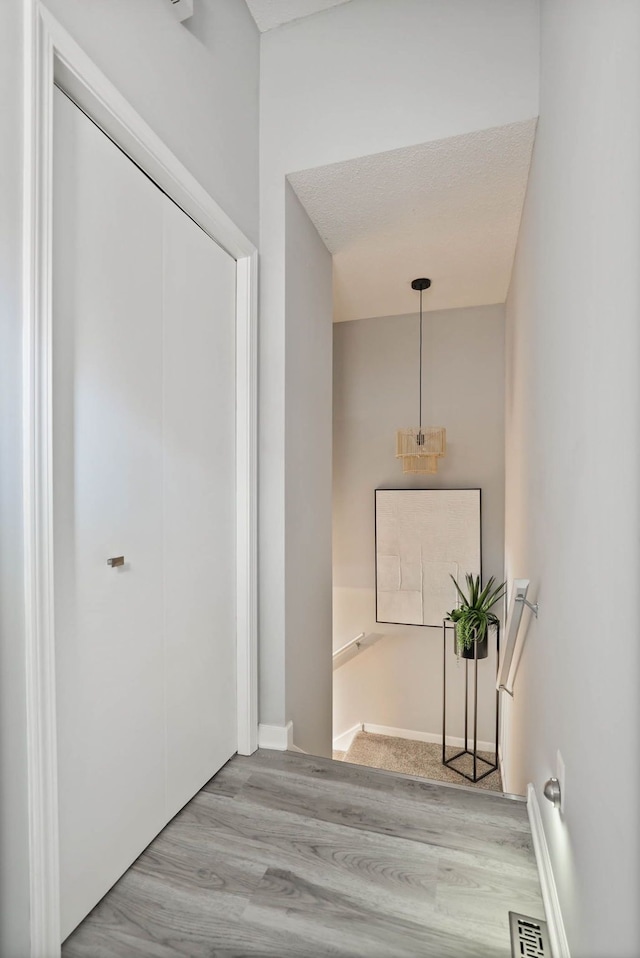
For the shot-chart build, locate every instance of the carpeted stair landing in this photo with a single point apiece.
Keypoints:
(415, 758)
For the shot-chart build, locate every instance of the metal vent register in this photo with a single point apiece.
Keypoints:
(529, 937)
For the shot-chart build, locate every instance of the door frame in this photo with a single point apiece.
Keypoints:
(52, 56)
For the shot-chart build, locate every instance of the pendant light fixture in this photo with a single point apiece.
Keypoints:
(420, 446)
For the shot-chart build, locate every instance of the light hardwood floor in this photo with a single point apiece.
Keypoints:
(290, 856)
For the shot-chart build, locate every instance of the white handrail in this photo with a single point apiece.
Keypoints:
(358, 639)
(510, 660)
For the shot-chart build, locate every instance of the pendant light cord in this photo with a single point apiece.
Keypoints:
(420, 412)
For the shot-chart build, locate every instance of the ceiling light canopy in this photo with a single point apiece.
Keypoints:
(420, 446)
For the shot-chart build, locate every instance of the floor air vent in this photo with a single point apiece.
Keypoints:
(529, 937)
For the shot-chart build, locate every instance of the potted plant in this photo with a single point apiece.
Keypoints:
(473, 618)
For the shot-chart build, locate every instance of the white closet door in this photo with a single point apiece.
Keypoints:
(144, 467)
(107, 287)
(199, 505)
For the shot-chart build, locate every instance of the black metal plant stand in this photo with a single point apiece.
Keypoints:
(487, 768)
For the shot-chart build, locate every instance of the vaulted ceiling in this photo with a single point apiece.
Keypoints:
(273, 13)
(448, 209)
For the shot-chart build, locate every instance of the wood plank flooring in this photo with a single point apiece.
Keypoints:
(290, 856)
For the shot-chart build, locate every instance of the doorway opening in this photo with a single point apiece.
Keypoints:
(449, 210)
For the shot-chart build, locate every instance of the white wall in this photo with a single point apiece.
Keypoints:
(398, 681)
(573, 411)
(360, 78)
(192, 92)
(195, 84)
(308, 481)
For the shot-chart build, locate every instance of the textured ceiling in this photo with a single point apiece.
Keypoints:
(449, 209)
(273, 13)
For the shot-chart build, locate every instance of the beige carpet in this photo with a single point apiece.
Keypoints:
(415, 758)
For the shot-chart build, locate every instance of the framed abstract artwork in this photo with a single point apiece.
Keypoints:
(423, 537)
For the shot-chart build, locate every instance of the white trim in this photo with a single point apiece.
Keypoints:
(247, 502)
(503, 774)
(279, 737)
(38, 517)
(342, 742)
(557, 933)
(504, 710)
(50, 52)
(434, 737)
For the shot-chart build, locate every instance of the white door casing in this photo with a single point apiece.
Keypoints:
(50, 52)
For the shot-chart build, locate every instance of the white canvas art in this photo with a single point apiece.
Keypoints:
(423, 537)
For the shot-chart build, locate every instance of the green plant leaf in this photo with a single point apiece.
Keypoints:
(496, 595)
(474, 586)
(485, 592)
(473, 618)
(465, 601)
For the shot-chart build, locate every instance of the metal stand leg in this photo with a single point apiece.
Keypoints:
(489, 768)
(444, 691)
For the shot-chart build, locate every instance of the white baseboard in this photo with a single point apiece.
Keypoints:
(279, 737)
(557, 933)
(434, 737)
(342, 743)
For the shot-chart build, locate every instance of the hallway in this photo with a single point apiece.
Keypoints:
(287, 855)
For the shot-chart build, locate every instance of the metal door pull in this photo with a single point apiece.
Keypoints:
(115, 561)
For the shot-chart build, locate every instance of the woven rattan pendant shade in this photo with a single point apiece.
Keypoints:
(425, 441)
(420, 446)
(420, 465)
